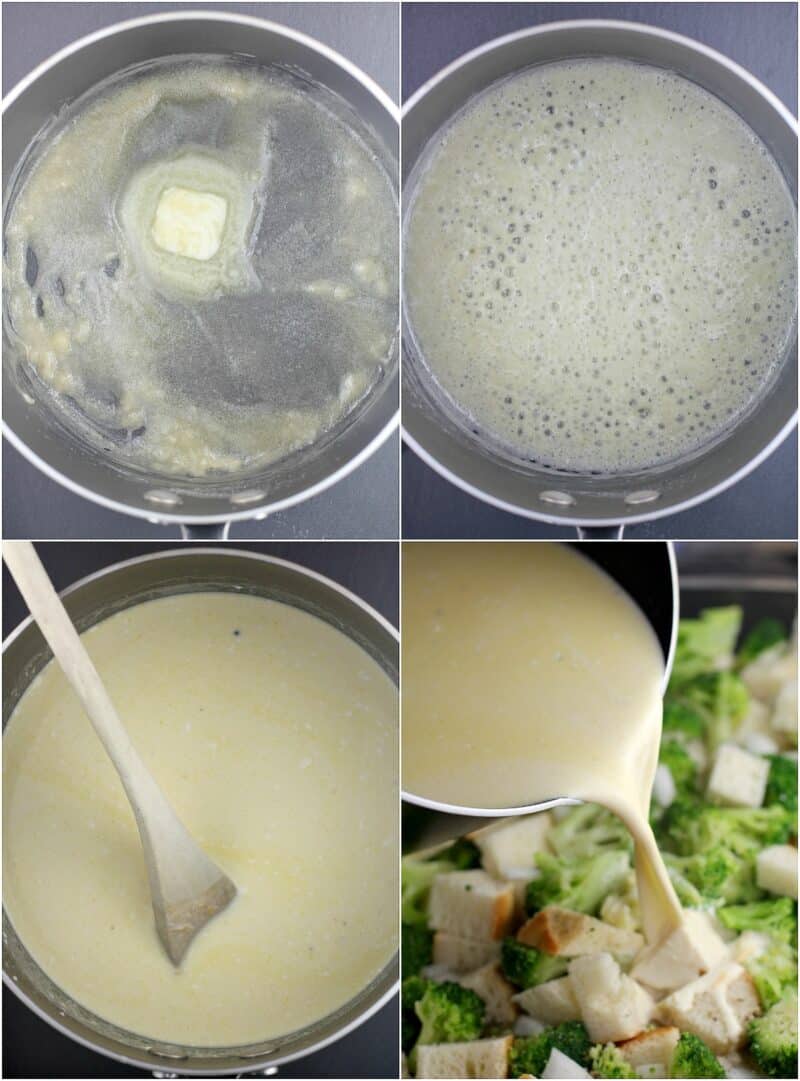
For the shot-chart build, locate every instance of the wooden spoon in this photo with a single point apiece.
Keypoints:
(186, 887)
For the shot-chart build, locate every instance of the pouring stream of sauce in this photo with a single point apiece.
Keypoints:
(528, 674)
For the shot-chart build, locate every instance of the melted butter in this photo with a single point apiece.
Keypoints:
(274, 736)
(227, 359)
(528, 674)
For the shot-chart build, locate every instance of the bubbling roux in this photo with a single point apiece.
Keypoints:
(275, 737)
(600, 266)
(201, 266)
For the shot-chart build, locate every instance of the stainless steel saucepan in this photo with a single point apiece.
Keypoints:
(598, 503)
(200, 506)
(646, 570)
(95, 598)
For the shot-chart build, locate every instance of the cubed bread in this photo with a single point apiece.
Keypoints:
(477, 1059)
(561, 932)
(463, 954)
(738, 778)
(688, 952)
(776, 870)
(716, 1007)
(471, 904)
(508, 848)
(552, 1002)
(656, 1045)
(490, 984)
(613, 1006)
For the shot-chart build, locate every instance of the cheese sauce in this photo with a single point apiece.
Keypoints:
(528, 674)
(600, 266)
(274, 737)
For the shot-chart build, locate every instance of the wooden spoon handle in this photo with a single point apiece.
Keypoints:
(68, 649)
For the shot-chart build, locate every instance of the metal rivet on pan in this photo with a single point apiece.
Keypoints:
(162, 498)
(250, 496)
(560, 498)
(646, 496)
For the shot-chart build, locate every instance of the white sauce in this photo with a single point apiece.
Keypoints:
(277, 746)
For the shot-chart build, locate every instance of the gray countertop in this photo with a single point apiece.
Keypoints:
(762, 37)
(366, 503)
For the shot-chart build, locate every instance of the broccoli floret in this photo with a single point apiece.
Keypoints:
(690, 826)
(530, 1054)
(681, 721)
(718, 876)
(416, 948)
(705, 642)
(773, 1038)
(680, 763)
(776, 916)
(773, 971)
(608, 1061)
(766, 634)
(693, 1058)
(526, 966)
(581, 886)
(721, 699)
(782, 783)
(462, 854)
(586, 831)
(411, 991)
(449, 1013)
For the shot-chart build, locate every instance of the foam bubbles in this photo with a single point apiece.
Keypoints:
(600, 265)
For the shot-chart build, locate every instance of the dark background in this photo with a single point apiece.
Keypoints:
(31, 1048)
(762, 37)
(363, 504)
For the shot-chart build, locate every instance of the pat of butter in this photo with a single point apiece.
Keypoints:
(189, 223)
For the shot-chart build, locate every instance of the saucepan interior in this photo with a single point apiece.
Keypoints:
(37, 432)
(96, 598)
(432, 426)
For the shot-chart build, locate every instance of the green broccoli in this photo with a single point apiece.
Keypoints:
(782, 784)
(773, 1038)
(690, 826)
(416, 943)
(411, 991)
(766, 634)
(586, 831)
(773, 971)
(680, 763)
(682, 722)
(721, 699)
(704, 642)
(449, 1013)
(717, 876)
(693, 1058)
(776, 916)
(581, 886)
(463, 854)
(608, 1061)
(526, 966)
(529, 1054)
